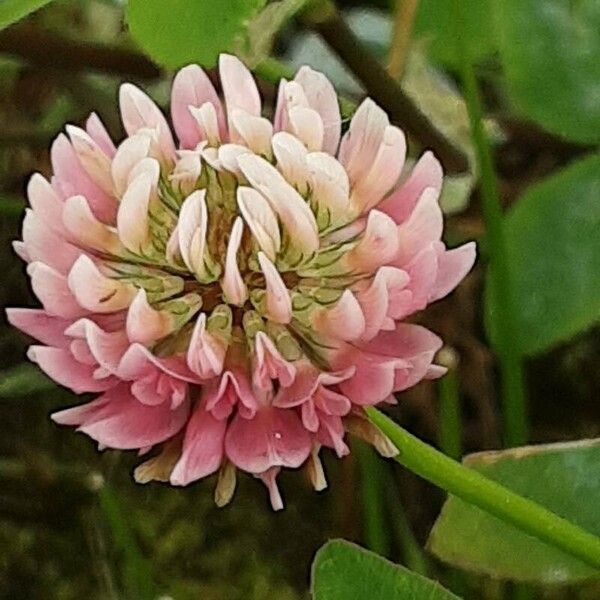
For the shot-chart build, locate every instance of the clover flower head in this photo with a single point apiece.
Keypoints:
(238, 296)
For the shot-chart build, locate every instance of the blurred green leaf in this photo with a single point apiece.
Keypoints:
(554, 254)
(13, 10)
(344, 571)
(434, 25)
(562, 477)
(550, 54)
(179, 32)
(23, 380)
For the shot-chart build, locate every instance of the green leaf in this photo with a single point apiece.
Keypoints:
(550, 54)
(434, 24)
(24, 380)
(554, 254)
(179, 32)
(562, 477)
(12, 11)
(344, 571)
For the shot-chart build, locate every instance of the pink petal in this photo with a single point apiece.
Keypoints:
(273, 438)
(92, 158)
(378, 244)
(192, 87)
(138, 362)
(329, 184)
(72, 180)
(413, 344)
(53, 292)
(424, 226)
(206, 352)
(291, 155)
(158, 388)
(44, 245)
(45, 203)
(373, 302)
(427, 173)
(107, 347)
(373, 380)
(207, 122)
(239, 90)
(343, 321)
(255, 132)
(138, 111)
(383, 173)
(222, 396)
(98, 133)
(361, 143)
(233, 286)
(331, 434)
(295, 214)
(453, 265)
(306, 125)
(269, 478)
(96, 292)
(203, 448)
(322, 98)
(192, 230)
(145, 324)
(270, 364)
(60, 365)
(332, 403)
(118, 420)
(278, 301)
(280, 116)
(261, 220)
(85, 229)
(404, 342)
(40, 325)
(422, 271)
(133, 215)
(228, 157)
(130, 153)
(307, 382)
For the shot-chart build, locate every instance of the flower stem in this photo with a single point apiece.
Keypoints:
(494, 498)
(450, 428)
(514, 404)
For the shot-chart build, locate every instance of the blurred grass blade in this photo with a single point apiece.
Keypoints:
(12, 11)
(137, 577)
(375, 530)
(412, 553)
(514, 402)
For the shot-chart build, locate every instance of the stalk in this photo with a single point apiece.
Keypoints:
(473, 487)
(514, 403)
